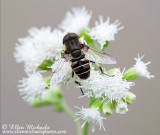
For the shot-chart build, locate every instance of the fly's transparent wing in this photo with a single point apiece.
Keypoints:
(61, 71)
(98, 57)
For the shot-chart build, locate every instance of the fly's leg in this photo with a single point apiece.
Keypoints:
(101, 69)
(77, 83)
(72, 74)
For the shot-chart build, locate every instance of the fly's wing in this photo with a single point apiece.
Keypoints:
(61, 70)
(98, 57)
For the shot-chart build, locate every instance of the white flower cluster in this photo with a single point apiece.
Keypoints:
(76, 20)
(33, 86)
(99, 85)
(45, 43)
(39, 45)
(91, 115)
(105, 31)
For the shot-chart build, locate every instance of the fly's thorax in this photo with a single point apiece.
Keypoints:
(73, 47)
(76, 53)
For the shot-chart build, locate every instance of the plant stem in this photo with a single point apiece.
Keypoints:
(86, 127)
(73, 116)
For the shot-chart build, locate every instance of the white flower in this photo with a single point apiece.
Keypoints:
(76, 20)
(90, 115)
(32, 87)
(114, 87)
(121, 108)
(93, 85)
(105, 31)
(40, 44)
(117, 87)
(61, 72)
(141, 68)
(29, 54)
(49, 41)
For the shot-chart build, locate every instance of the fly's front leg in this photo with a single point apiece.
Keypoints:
(101, 69)
(77, 83)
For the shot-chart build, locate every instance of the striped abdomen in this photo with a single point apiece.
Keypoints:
(81, 68)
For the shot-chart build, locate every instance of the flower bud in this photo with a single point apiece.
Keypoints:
(113, 71)
(97, 103)
(130, 98)
(120, 107)
(114, 103)
(107, 108)
(58, 107)
(55, 92)
(44, 100)
(55, 96)
(130, 74)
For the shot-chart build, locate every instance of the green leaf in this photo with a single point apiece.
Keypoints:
(87, 37)
(46, 64)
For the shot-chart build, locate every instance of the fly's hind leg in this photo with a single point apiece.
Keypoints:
(101, 69)
(77, 83)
